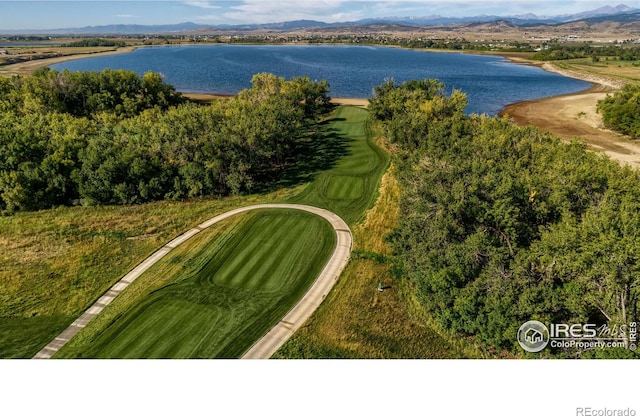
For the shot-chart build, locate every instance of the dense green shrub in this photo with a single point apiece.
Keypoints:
(113, 137)
(83, 43)
(621, 111)
(501, 224)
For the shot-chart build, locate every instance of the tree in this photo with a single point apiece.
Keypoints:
(621, 111)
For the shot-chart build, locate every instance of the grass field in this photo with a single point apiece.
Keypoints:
(351, 186)
(626, 71)
(358, 321)
(221, 291)
(210, 276)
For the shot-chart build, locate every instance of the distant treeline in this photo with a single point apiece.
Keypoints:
(621, 111)
(502, 224)
(16, 38)
(113, 137)
(385, 40)
(557, 51)
(95, 42)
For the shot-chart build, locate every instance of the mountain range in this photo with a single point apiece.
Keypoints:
(621, 13)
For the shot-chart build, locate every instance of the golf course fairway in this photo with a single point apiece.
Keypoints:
(223, 289)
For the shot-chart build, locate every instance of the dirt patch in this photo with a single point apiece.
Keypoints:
(205, 98)
(357, 102)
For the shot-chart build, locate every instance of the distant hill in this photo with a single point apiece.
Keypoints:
(622, 14)
(621, 9)
(620, 18)
(627, 21)
(293, 25)
(129, 29)
(526, 19)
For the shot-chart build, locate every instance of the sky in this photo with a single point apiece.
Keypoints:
(55, 14)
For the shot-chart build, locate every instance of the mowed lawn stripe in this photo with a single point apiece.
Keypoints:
(278, 260)
(182, 325)
(120, 345)
(339, 187)
(239, 314)
(363, 159)
(254, 246)
(142, 338)
(342, 186)
(263, 262)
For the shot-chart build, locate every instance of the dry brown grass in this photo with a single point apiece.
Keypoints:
(622, 71)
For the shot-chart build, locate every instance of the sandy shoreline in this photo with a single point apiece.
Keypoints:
(203, 97)
(575, 116)
(27, 67)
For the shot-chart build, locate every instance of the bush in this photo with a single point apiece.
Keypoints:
(621, 111)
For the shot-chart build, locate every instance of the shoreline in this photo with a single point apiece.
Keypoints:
(549, 67)
(205, 98)
(575, 115)
(28, 67)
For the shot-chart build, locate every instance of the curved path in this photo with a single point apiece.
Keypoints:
(268, 344)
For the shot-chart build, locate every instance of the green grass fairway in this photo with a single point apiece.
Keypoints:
(345, 187)
(230, 290)
(350, 187)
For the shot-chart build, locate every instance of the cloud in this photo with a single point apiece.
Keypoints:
(260, 11)
(265, 11)
(125, 16)
(202, 4)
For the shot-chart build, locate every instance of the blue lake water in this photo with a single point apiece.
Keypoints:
(490, 82)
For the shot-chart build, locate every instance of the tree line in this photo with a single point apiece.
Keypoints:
(114, 137)
(502, 224)
(558, 52)
(94, 42)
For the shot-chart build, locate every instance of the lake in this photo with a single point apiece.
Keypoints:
(490, 82)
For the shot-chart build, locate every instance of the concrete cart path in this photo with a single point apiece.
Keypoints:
(267, 345)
